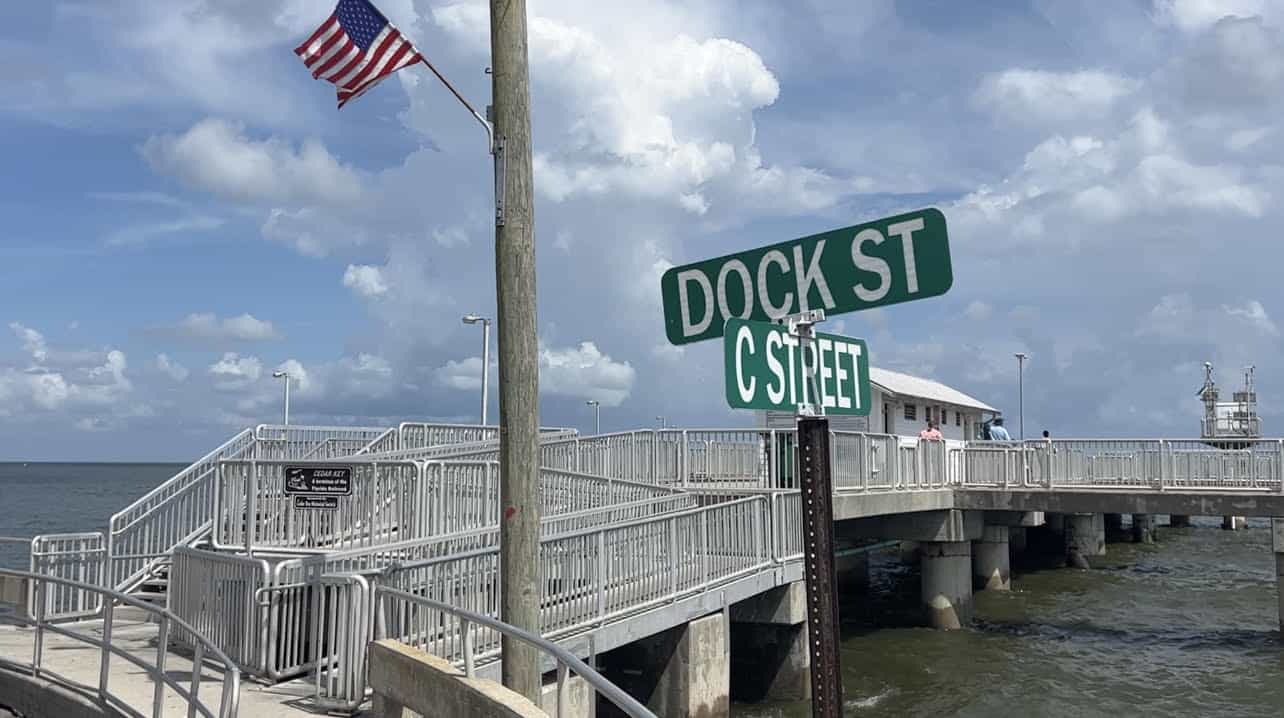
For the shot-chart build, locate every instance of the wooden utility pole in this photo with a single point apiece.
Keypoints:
(519, 565)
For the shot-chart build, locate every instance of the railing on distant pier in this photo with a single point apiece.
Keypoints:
(1128, 464)
(102, 638)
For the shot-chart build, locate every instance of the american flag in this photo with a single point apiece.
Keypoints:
(355, 48)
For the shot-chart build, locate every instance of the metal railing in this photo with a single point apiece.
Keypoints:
(189, 690)
(214, 593)
(261, 613)
(391, 502)
(81, 558)
(178, 511)
(590, 578)
(445, 630)
(1132, 464)
(598, 574)
(283, 442)
(254, 508)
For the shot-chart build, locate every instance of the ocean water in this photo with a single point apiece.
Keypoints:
(1185, 627)
(39, 498)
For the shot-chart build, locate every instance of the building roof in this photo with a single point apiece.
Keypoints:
(912, 386)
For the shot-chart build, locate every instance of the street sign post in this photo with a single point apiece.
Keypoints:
(817, 497)
(767, 367)
(888, 261)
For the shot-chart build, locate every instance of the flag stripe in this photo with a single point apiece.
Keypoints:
(343, 61)
(321, 50)
(387, 50)
(404, 56)
(368, 58)
(312, 44)
(340, 47)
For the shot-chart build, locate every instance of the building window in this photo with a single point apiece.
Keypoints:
(958, 418)
(945, 416)
(911, 412)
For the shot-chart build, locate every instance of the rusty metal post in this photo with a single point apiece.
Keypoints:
(816, 482)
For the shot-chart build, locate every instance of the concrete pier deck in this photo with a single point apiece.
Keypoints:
(79, 661)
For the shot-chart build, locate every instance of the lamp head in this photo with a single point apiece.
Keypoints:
(473, 318)
(280, 374)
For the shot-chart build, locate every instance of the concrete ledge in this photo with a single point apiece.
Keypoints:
(1092, 501)
(783, 605)
(13, 591)
(40, 698)
(407, 679)
(948, 526)
(579, 698)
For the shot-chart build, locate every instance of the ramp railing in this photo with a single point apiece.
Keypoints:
(173, 514)
(460, 636)
(282, 442)
(186, 685)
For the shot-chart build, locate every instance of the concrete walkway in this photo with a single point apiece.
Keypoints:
(78, 661)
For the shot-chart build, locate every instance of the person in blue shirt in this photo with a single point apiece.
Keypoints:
(998, 432)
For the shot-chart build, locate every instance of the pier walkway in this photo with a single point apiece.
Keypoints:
(643, 532)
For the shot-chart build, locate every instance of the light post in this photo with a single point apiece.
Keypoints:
(485, 322)
(1021, 357)
(286, 376)
(597, 415)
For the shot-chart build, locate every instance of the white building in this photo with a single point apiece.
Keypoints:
(903, 404)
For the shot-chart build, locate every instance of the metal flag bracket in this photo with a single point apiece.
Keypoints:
(495, 143)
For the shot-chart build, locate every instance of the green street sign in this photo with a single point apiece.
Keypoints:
(892, 260)
(767, 369)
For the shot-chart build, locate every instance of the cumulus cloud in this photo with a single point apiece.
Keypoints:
(677, 128)
(33, 342)
(578, 372)
(1238, 63)
(71, 382)
(1195, 15)
(585, 372)
(1022, 94)
(208, 328)
(978, 310)
(216, 156)
(234, 371)
(171, 368)
(364, 280)
(464, 374)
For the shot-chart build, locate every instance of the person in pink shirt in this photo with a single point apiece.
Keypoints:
(932, 432)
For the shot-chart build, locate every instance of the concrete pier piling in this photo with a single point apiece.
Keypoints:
(1085, 538)
(1143, 528)
(947, 583)
(1234, 523)
(1178, 521)
(683, 671)
(1114, 524)
(769, 651)
(991, 561)
(1018, 539)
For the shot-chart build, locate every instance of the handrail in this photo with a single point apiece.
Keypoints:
(204, 649)
(394, 567)
(245, 433)
(564, 658)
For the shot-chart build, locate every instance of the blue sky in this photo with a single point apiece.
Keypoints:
(185, 210)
